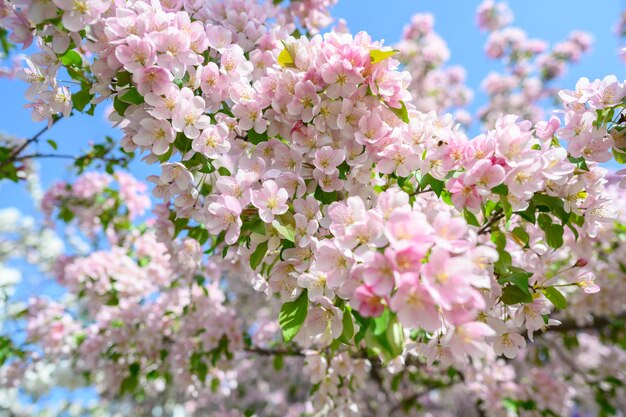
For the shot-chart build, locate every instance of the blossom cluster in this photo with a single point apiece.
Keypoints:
(594, 119)
(434, 87)
(92, 199)
(530, 65)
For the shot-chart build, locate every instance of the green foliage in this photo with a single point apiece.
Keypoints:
(131, 96)
(286, 232)
(504, 257)
(385, 336)
(131, 382)
(292, 316)
(402, 112)
(257, 256)
(8, 169)
(325, 197)
(512, 294)
(556, 297)
(435, 184)
(105, 154)
(286, 58)
(8, 350)
(348, 326)
(71, 59)
(81, 98)
(257, 138)
(470, 218)
(519, 279)
(376, 55)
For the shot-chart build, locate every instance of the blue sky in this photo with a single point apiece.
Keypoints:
(551, 20)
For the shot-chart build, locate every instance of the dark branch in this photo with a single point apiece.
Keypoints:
(493, 220)
(15, 155)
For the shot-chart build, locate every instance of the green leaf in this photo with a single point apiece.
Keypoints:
(501, 189)
(470, 218)
(363, 326)
(520, 279)
(348, 326)
(343, 170)
(119, 106)
(223, 171)
(402, 112)
(551, 204)
(257, 138)
(285, 231)
(198, 366)
(81, 98)
(376, 55)
(254, 225)
(71, 59)
(554, 236)
(257, 256)
(555, 297)
(123, 78)
(292, 316)
(132, 96)
(130, 383)
(199, 233)
(435, 184)
(620, 157)
(325, 197)
(285, 58)
(544, 222)
(278, 362)
(388, 343)
(504, 258)
(521, 236)
(53, 144)
(506, 207)
(512, 294)
(381, 322)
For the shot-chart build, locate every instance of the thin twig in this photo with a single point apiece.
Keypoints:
(45, 155)
(14, 157)
(494, 219)
(273, 352)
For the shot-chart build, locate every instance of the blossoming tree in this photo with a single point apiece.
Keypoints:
(323, 238)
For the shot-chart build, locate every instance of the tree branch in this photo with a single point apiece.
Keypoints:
(597, 323)
(272, 352)
(493, 220)
(15, 155)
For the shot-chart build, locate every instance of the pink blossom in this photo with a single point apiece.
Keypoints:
(463, 195)
(334, 262)
(136, 54)
(366, 302)
(398, 158)
(224, 215)
(586, 281)
(379, 275)
(79, 13)
(447, 279)
(328, 159)
(213, 141)
(190, 119)
(152, 79)
(156, 134)
(484, 175)
(305, 102)
(469, 339)
(270, 200)
(414, 305)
